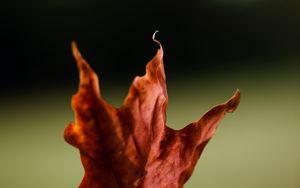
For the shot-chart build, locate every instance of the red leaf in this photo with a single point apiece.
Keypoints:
(131, 146)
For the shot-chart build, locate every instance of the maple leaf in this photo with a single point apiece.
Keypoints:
(131, 146)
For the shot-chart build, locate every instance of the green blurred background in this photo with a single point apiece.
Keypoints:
(211, 48)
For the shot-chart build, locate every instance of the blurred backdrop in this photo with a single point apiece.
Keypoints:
(210, 49)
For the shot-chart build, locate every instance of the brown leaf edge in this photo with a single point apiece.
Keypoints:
(131, 146)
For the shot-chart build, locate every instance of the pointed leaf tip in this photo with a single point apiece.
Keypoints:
(233, 102)
(160, 50)
(75, 50)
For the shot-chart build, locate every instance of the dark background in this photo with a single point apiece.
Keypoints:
(211, 48)
(115, 37)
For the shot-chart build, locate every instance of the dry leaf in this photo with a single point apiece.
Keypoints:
(131, 146)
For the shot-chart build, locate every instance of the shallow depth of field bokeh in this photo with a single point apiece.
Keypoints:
(256, 146)
(211, 48)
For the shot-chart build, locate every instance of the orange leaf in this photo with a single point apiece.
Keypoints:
(131, 146)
